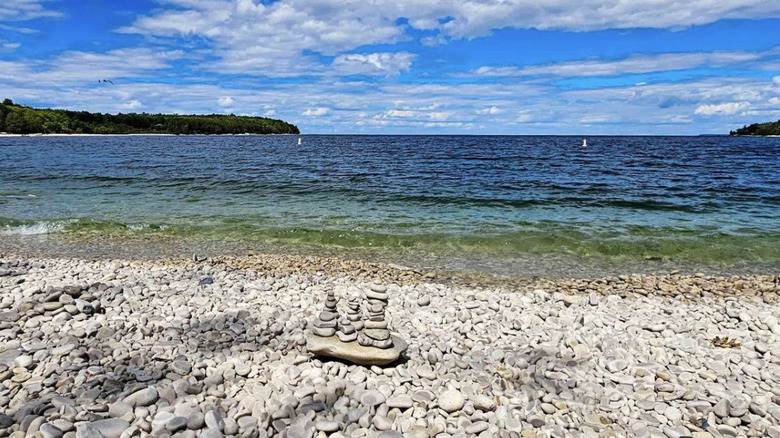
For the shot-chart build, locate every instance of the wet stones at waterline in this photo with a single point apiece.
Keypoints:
(350, 337)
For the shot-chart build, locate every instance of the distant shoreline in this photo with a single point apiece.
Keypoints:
(6, 135)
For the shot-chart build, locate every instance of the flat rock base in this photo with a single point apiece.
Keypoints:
(354, 352)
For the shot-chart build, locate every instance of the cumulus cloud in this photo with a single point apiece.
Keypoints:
(278, 38)
(340, 26)
(19, 10)
(727, 108)
(133, 104)
(316, 112)
(225, 101)
(388, 64)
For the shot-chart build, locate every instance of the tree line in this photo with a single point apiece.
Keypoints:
(18, 119)
(771, 128)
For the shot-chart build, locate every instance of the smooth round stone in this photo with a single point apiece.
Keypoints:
(181, 367)
(377, 334)
(381, 422)
(451, 401)
(111, 428)
(23, 361)
(327, 426)
(325, 324)
(380, 288)
(214, 420)
(424, 301)
(673, 414)
(372, 398)
(50, 431)
(247, 422)
(400, 401)
(344, 337)
(484, 403)
(390, 434)
(323, 332)
(243, 369)
(196, 421)
(176, 424)
(51, 306)
(328, 316)
(379, 296)
(143, 397)
(346, 327)
(478, 427)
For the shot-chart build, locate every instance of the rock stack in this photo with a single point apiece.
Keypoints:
(325, 324)
(375, 332)
(346, 331)
(354, 314)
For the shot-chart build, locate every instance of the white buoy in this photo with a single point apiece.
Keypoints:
(584, 143)
(299, 141)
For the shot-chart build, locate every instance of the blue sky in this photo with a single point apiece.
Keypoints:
(406, 66)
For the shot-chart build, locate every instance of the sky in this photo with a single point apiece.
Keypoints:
(595, 67)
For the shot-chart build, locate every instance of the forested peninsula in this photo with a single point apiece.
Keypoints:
(18, 119)
(770, 128)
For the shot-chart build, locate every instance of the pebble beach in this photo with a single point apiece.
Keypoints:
(216, 347)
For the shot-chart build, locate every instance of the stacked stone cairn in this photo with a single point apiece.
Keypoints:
(346, 331)
(353, 311)
(326, 323)
(375, 332)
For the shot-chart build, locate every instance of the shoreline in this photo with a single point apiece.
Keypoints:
(217, 347)
(465, 267)
(5, 135)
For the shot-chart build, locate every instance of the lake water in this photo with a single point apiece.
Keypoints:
(707, 200)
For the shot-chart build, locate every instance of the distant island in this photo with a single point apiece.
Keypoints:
(19, 119)
(770, 128)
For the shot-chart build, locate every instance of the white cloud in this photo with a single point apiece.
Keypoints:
(316, 112)
(728, 108)
(400, 113)
(331, 28)
(19, 10)
(225, 101)
(388, 64)
(75, 67)
(284, 38)
(523, 117)
(10, 47)
(528, 107)
(133, 104)
(439, 115)
(493, 110)
(631, 65)
(17, 29)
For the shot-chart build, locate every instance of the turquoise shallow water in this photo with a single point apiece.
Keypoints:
(701, 199)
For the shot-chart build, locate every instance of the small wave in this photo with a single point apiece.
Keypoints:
(35, 228)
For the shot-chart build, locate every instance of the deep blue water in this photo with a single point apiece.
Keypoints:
(708, 198)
